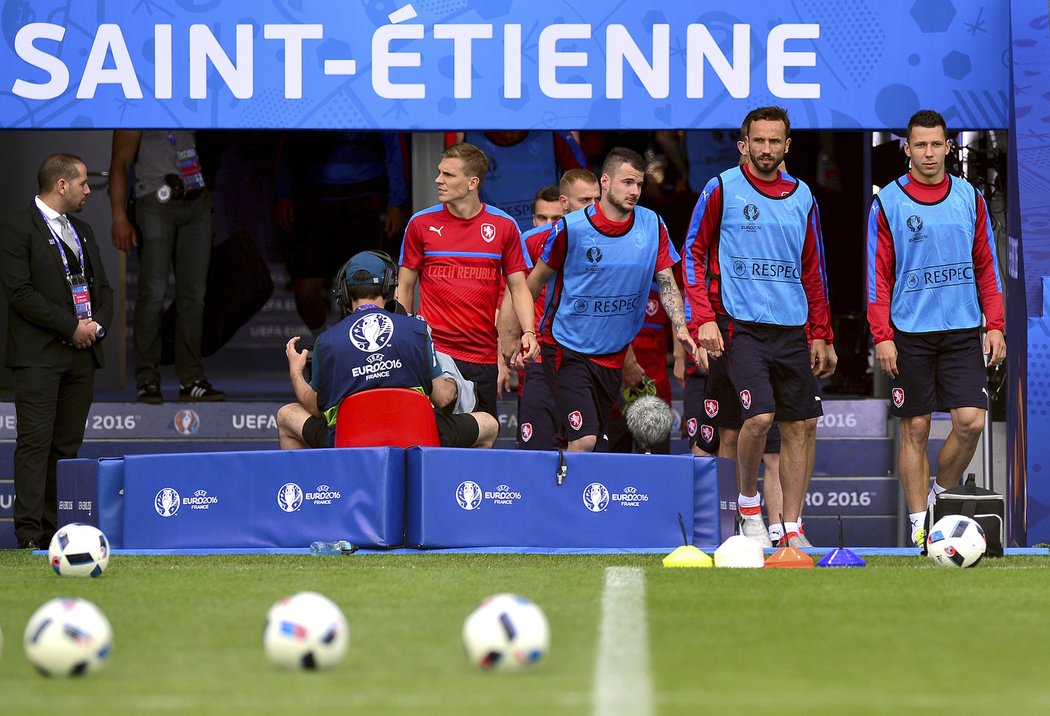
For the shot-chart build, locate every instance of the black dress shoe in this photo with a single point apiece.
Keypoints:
(28, 544)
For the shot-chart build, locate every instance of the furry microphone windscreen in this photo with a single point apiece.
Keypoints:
(649, 421)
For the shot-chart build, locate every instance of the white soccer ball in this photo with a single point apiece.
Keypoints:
(506, 633)
(955, 541)
(68, 637)
(306, 631)
(79, 551)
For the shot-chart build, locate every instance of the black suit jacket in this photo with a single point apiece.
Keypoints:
(40, 316)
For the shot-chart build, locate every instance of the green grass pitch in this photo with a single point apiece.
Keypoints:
(898, 637)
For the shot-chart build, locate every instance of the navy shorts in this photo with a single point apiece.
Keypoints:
(700, 428)
(485, 376)
(585, 393)
(771, 372)
(711, 403)
(938, 371)
(538, 426)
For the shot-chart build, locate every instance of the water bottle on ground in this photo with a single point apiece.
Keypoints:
(341, 546)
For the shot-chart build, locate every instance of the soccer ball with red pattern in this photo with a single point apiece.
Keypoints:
(955, 541)
(68, 637)
(506, 633)
(306, 631)
(79, 550)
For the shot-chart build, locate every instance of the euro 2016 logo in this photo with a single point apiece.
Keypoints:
(596, 497)
(914, 223)
(187, 422)
(371, 332)
(167, 502)
(594, 254)
(750, 212)
(290, 497)
(468, 495)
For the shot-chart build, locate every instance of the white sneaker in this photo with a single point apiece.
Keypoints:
(799, 541)
(754, 528)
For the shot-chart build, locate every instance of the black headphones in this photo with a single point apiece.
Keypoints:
(387, 287)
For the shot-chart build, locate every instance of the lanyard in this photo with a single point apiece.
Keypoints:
(365, 307)
(58, 245)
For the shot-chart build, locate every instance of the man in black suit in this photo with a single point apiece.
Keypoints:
(59, 306)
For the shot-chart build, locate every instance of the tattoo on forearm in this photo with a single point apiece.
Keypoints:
(671, 298)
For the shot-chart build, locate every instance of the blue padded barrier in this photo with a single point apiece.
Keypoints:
(264, 499)
(92, 491)
(504, 498)
(706, 528)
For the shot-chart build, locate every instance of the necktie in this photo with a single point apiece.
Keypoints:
(67, 233)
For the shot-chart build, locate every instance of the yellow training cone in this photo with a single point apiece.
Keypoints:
(688, 556)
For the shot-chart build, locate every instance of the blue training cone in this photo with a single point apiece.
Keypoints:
(841, 557)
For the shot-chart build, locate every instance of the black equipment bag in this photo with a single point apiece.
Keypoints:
(983, 506)
(239, 284)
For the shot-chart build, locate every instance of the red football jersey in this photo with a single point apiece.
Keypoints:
(460, 262)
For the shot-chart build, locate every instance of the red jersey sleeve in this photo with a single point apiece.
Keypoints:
(512, 260)
(666, 256)
(700, 267)
(412, 246)
(986, 269)
(555, 246)
(814, 280)
(881, 274)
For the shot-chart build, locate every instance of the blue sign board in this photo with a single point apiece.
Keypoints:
(435, 65)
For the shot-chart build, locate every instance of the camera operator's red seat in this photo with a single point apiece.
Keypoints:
(386, 417)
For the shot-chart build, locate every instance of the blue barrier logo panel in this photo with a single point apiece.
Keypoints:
(596, 497)
(167, 502)
(468, 495)
(289, 497)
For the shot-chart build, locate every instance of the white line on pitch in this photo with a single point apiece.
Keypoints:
(622, 681)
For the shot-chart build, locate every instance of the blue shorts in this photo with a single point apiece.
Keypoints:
(538, 425)
(771, 372)
(938, 371)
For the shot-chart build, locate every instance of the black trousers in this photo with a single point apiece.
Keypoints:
(51, 406)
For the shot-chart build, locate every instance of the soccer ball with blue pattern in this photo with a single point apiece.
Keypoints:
(79, 550)
(506, 633)
(68, 637)
(306, 631)
(956, 541)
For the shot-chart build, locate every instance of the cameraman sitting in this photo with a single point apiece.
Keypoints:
(370, 348)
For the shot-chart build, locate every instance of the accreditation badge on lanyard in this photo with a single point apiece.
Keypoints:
(189, 165)
(78, 284)
(81, 296)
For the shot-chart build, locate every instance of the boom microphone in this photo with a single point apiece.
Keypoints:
(649, 421)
